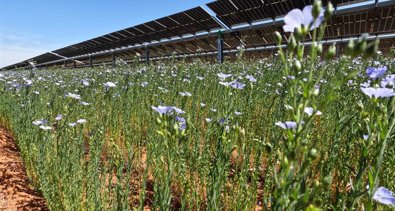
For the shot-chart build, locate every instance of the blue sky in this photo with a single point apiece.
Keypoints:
(32, 27)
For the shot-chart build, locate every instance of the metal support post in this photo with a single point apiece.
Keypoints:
(90, 62)
(220, 48)
(147, 51)
(74, 64)
(113, 60)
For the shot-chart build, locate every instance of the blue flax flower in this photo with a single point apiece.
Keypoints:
(374, 72)
(296, 18)
(384, 196)
(223, 75)
(378, 92)
(237, 85)
(162, 109)
(182, 123)
(287, 125)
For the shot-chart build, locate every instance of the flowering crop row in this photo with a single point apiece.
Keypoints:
(291, 132)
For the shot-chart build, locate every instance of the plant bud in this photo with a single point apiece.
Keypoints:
(316, 92)
(298, 65)
(292, 43)
(372, 48)
(286, 162)
(313, 154)
(317, 7)
(331, 52)
(360, 47)
(278, 37)
(319, 48)
(298, 33)
(329, 11)
(350, 48)
(327, 181)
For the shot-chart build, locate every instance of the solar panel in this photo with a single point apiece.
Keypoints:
(190, 21)
(234, 12)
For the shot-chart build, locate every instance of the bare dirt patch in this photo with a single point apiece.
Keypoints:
(16, 193)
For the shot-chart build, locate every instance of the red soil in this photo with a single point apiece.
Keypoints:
(15, 191)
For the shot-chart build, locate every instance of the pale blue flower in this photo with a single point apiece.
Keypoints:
(237, 85)
(59, 117)
(384, 196)
(251, 78)
(223, 75)
(378, 92)
(144, 84)
(185, 94)
(74, 96)
(167, 110)
(388, 82)
(365, 137)
(84, 103)
(365, 84)
(286, 125)
(225, 83)
(374, 72)
(109, 85)
(43, 127)
(85, 83)
(238, 113)
(178, 111)
(208, 119)
(40, 122)
(310, 111)
(81, 121)
(28, 82)
(73, 124)
(182, 123)
(296, 18)
(162, 109)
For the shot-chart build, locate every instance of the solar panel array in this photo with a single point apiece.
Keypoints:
(249, 23)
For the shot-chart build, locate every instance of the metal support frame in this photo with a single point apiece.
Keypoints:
(274, 47)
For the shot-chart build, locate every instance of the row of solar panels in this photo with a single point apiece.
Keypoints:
(246, 22)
